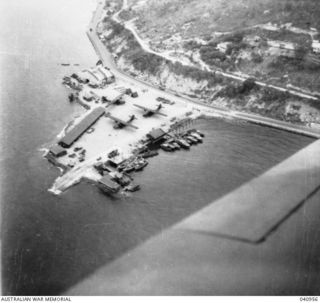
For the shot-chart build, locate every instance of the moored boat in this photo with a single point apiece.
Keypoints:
(183, 143)
(191, 139)
(197, 132)
(166, 147)
(176, 145)
(149, 154)
(140, 164)
(129, 169)
(196, 136)
(132, 187)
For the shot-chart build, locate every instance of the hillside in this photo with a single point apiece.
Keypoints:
(205, 49)
(200, 18)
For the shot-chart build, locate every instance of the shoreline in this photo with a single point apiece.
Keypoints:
(107, 58)
(126, 142)
(106, 138)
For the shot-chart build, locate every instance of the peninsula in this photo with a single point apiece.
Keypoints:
(127, 117)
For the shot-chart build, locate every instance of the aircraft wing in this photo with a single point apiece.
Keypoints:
(150, 110)
(115, 119)
(161, 114)
(131, 125)
(142, 107)
(119, 121)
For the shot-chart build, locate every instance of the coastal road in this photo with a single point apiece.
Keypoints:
(129, 25)
(108, 60)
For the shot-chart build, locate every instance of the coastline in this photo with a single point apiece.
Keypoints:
(131, 141)
(106, 57)
(51, 243)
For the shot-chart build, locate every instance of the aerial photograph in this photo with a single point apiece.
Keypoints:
(160, 148)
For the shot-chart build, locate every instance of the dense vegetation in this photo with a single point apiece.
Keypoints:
(238, 89)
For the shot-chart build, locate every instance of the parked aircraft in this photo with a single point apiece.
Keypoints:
(121, 123)
(150, 111)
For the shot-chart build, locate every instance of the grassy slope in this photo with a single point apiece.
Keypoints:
(160, 17)
(233, 95)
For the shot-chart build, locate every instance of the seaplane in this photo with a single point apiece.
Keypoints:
(121, 123)
(149, 111)
(118, 101)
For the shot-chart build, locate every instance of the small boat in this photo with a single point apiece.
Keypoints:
(183, 143)
(132, 187)
(166, 147)
(191, 139)
(172, 146)
(140, 165)
(197, 137)
(129, 169)
(175, 145)
(188, 141)
(199, 133)
(149, 154)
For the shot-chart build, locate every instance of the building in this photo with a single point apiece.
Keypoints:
(88, 76)
(107, 185)
(107, 74)
(112, 95)
(81, 127)
(156, 135)
(57, 151)
(97, 76)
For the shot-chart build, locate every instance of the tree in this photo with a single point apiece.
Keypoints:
(301, 51)
(247, 85)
